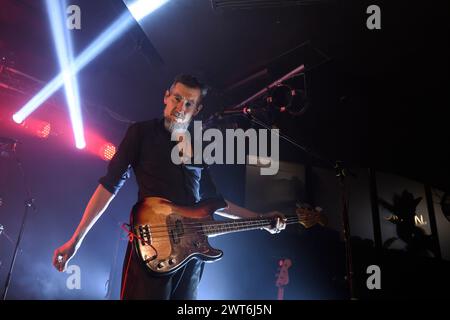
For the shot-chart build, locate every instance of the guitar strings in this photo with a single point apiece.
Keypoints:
(195, 227)
(157, 229)
(219, 223)
(192, 226)
(190, 231)
(165, 237)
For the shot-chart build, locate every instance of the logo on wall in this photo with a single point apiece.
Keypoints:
(408, 224)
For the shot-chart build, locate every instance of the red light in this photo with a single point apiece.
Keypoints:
(44, 132)
(107, 151)
(97, 145)
(37, 127)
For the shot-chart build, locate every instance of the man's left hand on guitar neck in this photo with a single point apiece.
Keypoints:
(234, 211)
(278, 222)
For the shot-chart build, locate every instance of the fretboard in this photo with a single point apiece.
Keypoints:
(216, 228)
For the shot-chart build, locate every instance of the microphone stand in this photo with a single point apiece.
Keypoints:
(341, 172)
(29, 203)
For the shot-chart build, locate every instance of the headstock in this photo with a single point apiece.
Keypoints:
(283, 273)
(309, 217)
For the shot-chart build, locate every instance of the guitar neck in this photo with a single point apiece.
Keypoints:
(280, 293)
(216, 228)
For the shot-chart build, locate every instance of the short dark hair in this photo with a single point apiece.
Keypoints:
(191, 82)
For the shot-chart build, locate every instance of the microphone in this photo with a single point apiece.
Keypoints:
(248, 111)
(230, 112)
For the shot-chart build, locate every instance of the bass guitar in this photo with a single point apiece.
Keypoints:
(167, 236)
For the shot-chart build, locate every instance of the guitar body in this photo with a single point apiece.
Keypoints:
(168, 235)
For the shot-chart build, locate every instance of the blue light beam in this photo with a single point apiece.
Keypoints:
(104, 40)
(64, 51)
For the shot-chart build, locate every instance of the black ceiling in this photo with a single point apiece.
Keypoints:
(379, 96)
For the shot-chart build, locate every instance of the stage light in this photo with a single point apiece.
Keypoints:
(63, 45)
(98, 145)
(36, 127)
(107, 151)
(17, 118)
(44, 131)
(104, 40)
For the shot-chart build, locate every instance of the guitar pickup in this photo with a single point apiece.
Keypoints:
(177, 232)
(144, 233)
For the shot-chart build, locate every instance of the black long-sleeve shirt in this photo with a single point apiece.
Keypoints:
(146, 148)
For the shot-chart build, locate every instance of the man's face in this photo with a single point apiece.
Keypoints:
(181, 105)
